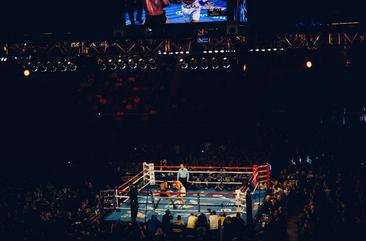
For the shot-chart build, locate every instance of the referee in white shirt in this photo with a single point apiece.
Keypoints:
(183, 175)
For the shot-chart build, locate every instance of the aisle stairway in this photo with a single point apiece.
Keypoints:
(292, 227)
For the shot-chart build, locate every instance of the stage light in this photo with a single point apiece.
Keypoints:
(71, 66)
(61, 66)
(121, 64)
(214, 63)
(102, 66)
(34, 67)
(50, 67)
(111, 64)
(183, 64)
(137, 100)
(132, 64)
(142, 64)
(309, 64)
(204, 63)
(245, 67)
(43, 68)
(26, 73)
(193, 63)
(348, 62)
(225, 63)
(152, 63)
(129, 107)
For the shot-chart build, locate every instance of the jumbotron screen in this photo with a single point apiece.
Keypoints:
(243, 11)
(160, 12)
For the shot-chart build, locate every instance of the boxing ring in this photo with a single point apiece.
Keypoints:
(223, 189)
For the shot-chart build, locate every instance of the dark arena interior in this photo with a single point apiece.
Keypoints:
(182, 120)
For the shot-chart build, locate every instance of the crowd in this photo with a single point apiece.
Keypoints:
(332, 204)
(328, 202)
(198, 227)
(48, 212)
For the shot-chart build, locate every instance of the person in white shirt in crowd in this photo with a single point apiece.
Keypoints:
(213, 221)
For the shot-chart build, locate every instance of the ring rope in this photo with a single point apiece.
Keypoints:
(202, 182)
(206, 167)
(209, 172)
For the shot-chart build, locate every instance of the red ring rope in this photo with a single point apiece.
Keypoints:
(205, 167)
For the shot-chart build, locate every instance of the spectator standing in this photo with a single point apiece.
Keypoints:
(166, 222)
(214, 225)
(191, 223)
(178, 228)
(151, 226)
(202, 226)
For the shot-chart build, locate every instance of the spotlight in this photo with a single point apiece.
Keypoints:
(193, 63)
(26, 73)
(112, 65)
(102, 66)
(204, 63)
(309, 64)
(142, 64)
(132, 64)
(152, 63)
(71, 66)
(50, 66)
(34, 67)
(61, 66)
(225, 63)
(121, 64)
(348, 62)
(43, 68)
(183, 64)
(245, 67)
(214, 63)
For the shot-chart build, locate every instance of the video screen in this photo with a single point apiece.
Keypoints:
(160, 12)
(243, 11)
